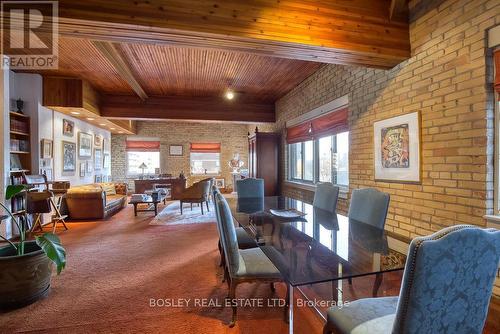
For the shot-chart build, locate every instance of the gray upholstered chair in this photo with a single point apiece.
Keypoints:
(242, 265)
(446, 288)
(325, 197)
(250, 187)
(369, 206)
(245, 241)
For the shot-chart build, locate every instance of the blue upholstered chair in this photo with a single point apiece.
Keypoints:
(369, 206)
(245, 241)
(446, 288)
(325, 197)
(250, 188)
(242, 265)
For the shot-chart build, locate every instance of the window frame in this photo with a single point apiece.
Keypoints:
(316, 164)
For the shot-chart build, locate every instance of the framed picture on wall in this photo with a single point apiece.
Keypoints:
(98, 140)
(397, 148)
(106, 161)
(82, 169)
(220, 183)
(175, 150)
(46, 149)
(89, 167)
(68, 128)
(69, 156)
(84, 145)
(97, 159)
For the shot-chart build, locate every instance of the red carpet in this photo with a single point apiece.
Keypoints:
(116, 266)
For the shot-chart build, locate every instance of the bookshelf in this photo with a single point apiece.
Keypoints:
(20, 157)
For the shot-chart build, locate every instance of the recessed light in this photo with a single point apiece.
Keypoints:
(102, 124)
(112, 128)
(75, 113)
(229, 95)
(120, 131)
(90, 119)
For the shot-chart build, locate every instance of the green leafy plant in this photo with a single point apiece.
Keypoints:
(48, 242)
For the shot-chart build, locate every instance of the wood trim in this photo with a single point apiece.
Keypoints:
(111, 53)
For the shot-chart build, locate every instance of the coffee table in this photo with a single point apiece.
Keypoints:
(146, 199)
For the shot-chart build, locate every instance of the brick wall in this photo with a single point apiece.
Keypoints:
(233, 139)
(447, 80)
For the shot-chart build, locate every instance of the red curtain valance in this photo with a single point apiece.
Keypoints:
(326, 125)
(143, 146)
(205, 147)
(497, 71)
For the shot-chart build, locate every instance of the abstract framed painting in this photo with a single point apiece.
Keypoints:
(397, 149)
(69, 156)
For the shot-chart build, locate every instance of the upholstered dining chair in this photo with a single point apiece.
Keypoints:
(325, 197)
(242, 265)
(245, 241)
(250, 187)
(197, 193)
(369, 206)
(446, 288)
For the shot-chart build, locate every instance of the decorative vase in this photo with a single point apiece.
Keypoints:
(20, 105)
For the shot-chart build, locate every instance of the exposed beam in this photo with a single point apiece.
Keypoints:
(355, 32)
(187, 108)
(398, 10)
(111, 53)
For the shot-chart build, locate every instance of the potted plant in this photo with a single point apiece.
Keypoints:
(26, 266)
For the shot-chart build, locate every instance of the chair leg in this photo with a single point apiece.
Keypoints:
(201, 205)
(181, 206)
(232, 294)
(208, 208)
(377, 283)
(191, 206)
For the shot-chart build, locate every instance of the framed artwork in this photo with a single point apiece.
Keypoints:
(105, 145)
(84, 145)
(68, 128)
(397, 148)
(69, 156)
(106, 161)
(98, 179)
(98, 140)
(89, 167)
(175, 150)
(97, 159)
(46, 149)
(82, 169)
(220, 183)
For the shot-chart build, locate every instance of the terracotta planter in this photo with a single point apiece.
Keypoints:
(23, 279)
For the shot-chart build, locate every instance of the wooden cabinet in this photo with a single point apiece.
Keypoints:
(263, 156)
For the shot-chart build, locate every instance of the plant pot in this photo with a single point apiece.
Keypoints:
(23, 279)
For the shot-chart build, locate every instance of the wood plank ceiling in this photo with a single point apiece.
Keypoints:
(168, 70)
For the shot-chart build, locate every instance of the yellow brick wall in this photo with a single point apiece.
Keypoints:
(447, 79)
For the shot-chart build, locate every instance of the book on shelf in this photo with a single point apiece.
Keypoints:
(19, 145)
(18, 126)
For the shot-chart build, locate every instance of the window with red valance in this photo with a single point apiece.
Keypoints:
(205, 147)
(142, 146)
(328, 124)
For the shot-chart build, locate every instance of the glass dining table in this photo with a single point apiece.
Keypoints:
(309, 245)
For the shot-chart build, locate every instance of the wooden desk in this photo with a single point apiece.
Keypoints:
(177, 186)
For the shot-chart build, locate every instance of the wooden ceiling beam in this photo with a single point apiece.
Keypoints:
(113, 55)
(398, 10)
(358, 32)
(241, 109)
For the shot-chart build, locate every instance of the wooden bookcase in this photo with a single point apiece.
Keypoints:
(20, 156)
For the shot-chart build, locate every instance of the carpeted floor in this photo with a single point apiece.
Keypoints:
(115, 267)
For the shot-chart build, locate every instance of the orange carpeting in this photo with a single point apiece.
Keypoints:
(116, 266)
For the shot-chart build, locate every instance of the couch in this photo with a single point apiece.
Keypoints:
(96, 201)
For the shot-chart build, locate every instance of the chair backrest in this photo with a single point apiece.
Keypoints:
(448, 280)
(228, 233)
(325, 197)
(369, 206)
(250, 187)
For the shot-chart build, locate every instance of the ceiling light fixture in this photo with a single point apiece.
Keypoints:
(90, 119)
(102, 124)
(229, 95)
(112, 128)
(75, 113)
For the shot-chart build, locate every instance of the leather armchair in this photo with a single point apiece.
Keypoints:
(197, 193)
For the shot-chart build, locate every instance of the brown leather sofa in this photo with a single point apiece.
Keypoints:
(96, 201)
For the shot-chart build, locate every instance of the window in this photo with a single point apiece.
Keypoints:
(321, 160)
(135, 159)
(205, 163)
(143, 156)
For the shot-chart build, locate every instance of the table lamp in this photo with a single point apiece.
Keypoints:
(143, 166)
